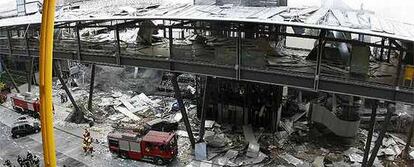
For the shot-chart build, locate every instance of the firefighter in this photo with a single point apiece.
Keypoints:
(19, 160)
(29, 159)
(86, 134)
(36, 161)
(63, 97)
(7, 163)
(29, 156)
(87, 145)
(87, 142)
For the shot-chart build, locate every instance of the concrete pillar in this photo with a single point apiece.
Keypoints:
(136, 73)
(285, 91)
(334, 105)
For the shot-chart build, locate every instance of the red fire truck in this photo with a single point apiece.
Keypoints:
(26, 105)
(156, 147)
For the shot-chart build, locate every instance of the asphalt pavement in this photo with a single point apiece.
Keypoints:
(68, 146)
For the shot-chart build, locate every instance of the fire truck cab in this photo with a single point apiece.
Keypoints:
(157, 147)
(25, 104)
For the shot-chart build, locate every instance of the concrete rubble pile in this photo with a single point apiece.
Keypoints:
(400, 120)
(296, 144)
(227, 146)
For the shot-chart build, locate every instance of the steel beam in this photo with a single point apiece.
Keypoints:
(389, 51)
(329, 39)
(379, 92)
(320, 50)
(91, 86)
(238, 55)
(399, 64)
(9, 42)
(398, 45)
(370, 132)
(382, 49)
(10, 76)
(408, 142)
(182, 108)
(59, 75)
(164, 30)
(30, 79)
(278, 77)
(132, 24)
(171, 46)
(78, 40)
(204, 110)
(378, 142)
(118, 46)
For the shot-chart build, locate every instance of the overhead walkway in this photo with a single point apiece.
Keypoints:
(237, 48)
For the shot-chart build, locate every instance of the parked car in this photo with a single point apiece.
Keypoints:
(21, 118)
(24, 127)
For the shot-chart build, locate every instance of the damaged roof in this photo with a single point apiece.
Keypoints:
(355, 21)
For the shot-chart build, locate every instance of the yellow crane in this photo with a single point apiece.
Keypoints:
(45, 85)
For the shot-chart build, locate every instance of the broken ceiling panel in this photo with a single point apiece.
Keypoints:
(399, 28)
(349, 20)
(353, 19)
(298, 12)
(330, 19)
(268, 13)
(343, 20)
(317, 16)
(376, 24)
(387, 26)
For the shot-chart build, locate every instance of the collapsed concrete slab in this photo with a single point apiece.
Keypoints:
(340, 127)
(254, 147)
(128, 113)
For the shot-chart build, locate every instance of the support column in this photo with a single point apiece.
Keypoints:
(334, 104)
(381, 58)
(399, 69)
(91, 87)
(409, 139)
(34, 80)
(320, 50)
(389, 51)
(378, 142)
(171, 44)
(118, 46)
(30, 79)
(57, 72)
(182, 108)
(10, 76)
(79, 49)
(136, 72)
(370, 132)
(203, 109)
(238, 54)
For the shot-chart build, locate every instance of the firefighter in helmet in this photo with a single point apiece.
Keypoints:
(86, 133)
(87, 142)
